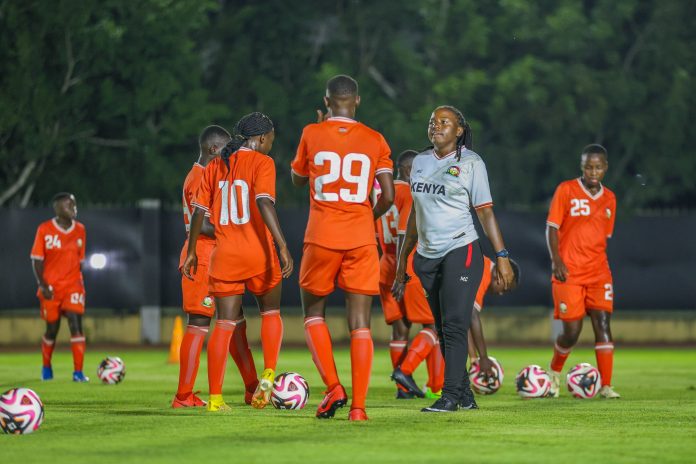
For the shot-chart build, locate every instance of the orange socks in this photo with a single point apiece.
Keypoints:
(319, 344)
(560, 355)
(605, 361)
(47, 350)
(218, 346)
(420, 348)
(436, 369)
(240, 352)
(361, 352)
(77, 344)
(189, 359)
(397, 351)
(271, 337)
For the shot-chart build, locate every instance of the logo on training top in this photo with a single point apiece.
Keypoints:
(207, 302)
(79, 241)
(425, 187)
(608, 213)
(453, 171)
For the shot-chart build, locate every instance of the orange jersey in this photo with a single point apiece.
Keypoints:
(243, 244)
(584, 222)
(205, 244)
(341, 157)
(62, 251)
(389, 226)
(485, 283)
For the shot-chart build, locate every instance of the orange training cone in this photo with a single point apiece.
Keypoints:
(177, 337)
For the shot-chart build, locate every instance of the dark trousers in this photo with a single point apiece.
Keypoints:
(450, 284)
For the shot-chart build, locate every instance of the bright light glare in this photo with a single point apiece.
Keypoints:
(97, 261)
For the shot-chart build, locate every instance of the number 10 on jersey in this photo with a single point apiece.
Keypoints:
(235, 200)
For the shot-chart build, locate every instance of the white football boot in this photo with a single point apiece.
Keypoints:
(608, 392)
(555, 390)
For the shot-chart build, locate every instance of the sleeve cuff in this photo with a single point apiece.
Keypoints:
(384, 170)
(37, 257)
(484, 205)
(298, 174)
(477, 307)
(265, 195)
(553, 224)
(199, 206)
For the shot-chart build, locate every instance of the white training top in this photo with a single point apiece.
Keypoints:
(444, 190)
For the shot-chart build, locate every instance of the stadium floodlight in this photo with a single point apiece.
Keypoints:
(97, 261)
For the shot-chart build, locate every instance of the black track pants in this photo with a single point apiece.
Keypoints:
(450, 283)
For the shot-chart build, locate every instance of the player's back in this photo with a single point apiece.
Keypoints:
(243, 244)
(61, 250)
(341, 157)
(205, 244)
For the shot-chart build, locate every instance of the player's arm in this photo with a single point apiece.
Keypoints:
(504, 273)
(386, 198)
(268, 213)
(405, 244)
(207, 228)
(191, 260)
(37, 266)
(558, 267)
(476, 332)
(298, 180)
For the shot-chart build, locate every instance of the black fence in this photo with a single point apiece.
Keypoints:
(652, 258)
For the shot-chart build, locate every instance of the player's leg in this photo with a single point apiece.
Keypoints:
(361, 350)
(318, 271)
(243, 358)
(77, 345)
(48, 343)
(228, 309)
(398, 348)
(421, 346)
(569, 307)
(197, 327)
(436, 373)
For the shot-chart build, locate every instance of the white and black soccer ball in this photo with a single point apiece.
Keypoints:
(111, 370)
(290, 391)
(21, 411)
(584, 381)
(533, 382)
(484, 384)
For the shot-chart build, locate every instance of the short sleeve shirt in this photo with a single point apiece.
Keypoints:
(584, 222)
(389, 226)
(62, 251)
(444, 190)
(205, 244)
(485, 283)
(341, 158)
(243, 244)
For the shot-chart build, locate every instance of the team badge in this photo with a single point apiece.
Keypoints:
(563, 308)
(79, 241)
(207, 302)
(608, 213)
(453, 171)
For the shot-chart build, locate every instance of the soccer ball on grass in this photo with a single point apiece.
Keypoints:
(584, 381)
(290, 391)
(111, 370)
(482, 383)
(21, 411)
(533, 382)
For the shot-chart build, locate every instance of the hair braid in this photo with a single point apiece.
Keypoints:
(251, 125)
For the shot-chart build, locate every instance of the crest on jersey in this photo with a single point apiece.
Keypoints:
(79, 241)
(563, 308)
(453, 171)
(608, 213)
(207, 302)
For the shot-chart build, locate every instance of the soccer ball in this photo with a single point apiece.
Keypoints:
(21, 411)
(483, 384)
(533, 382)
(111, 370)
(290, 391)
(584, 381)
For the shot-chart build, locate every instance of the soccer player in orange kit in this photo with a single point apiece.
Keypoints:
(238, 191)
(56, 257)
(580, 220)
(340, 158)
(197, 304)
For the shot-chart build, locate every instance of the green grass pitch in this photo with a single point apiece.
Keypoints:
(654, 421)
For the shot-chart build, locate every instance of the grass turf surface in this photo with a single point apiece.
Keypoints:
(654, 421)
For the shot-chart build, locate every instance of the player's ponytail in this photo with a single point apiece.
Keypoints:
(465, 140)
(251, 125)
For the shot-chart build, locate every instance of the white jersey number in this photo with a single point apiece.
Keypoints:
(608, 292)
(52, 241)
(390, 222)
(342, 169)
(232, 199)
(579, 207)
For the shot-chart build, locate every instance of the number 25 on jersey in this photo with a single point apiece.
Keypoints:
(579, 207)
(342, 169)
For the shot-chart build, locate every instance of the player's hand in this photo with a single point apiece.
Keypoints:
(286, 261)
(190, 264)
(559, 269)
(46, 291)
(504, 273)
(399, 285)
(486, 366)
(321, 116)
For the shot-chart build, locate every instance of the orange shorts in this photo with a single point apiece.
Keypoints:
(413, 307)
(259, 284)
(195, 293)
(571, 302)
(356, 270)
(71, 299)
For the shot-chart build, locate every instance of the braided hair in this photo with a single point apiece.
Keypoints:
(465, 140)
(251, 125)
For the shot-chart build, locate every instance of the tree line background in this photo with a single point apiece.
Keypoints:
(106, 98)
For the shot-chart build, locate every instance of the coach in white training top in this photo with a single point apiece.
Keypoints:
(448, 181)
